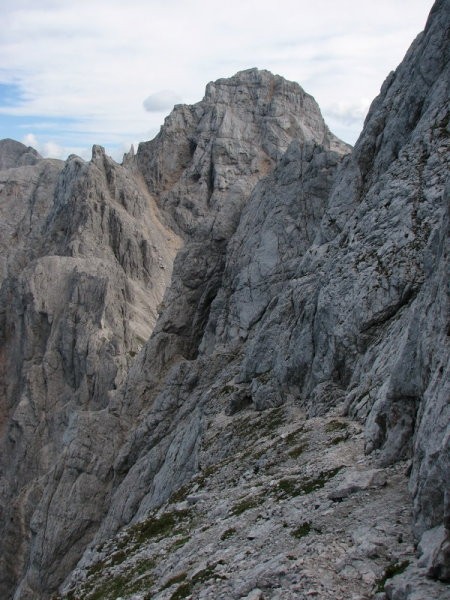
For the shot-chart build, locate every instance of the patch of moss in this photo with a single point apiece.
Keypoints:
(301, 531)
(246, 504)
(173, 580)
(390, 571)
(297, 451)
(335, 426)
(183, 591)
(227, 534)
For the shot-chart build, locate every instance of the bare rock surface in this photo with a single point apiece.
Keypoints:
(88, 252)
(318, 299)
(14, 154)
(85, 263)
(263, 525)
(284, 432)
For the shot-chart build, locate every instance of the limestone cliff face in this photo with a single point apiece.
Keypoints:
(85, 262)
(330, 292)
(89, 249)
(307, 277)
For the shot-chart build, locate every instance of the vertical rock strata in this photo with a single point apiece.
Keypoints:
(89, 249)
(85, 262)
(307, 276)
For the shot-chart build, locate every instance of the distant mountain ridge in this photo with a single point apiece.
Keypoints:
(243, 261)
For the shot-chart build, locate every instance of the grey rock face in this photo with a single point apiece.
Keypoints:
(356, 481)
(85, 264)
(14, 154)
(308, 277)
(166, 379)
(319, 298)
(80, 294)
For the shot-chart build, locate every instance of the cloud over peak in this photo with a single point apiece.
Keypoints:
(161, 101)
(109, 80)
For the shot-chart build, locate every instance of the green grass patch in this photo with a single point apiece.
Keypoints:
(173, 580)
(105, 585)
(335, 426)
(390, 571)
(179, 543)
(207, 472)
(204, 575)
(180, 495)
(292, 438)
(227, 534)
(297, 451)
(142, 566)
(292, 487)
(246, 504)
(183, 591)
(337, 440)
(227, 390)
(271, 419)
(158, 527)
(301, 531)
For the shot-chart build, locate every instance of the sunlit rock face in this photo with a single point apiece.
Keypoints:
(88, 250)
(243, 261)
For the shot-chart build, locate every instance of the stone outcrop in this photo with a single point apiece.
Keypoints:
(309, 279)
(89, 249)
(320, 301)
(85, 262)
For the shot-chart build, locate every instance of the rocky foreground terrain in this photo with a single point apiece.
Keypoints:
(225, 363)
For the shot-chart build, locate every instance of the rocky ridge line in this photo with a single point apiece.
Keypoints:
(88, 256)
(333, 318)
(308, 291)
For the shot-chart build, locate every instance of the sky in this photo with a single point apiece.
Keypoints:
(78, 73)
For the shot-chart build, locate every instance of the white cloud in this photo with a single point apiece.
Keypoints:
(161, 101)
(94, 62)
(30, 140)
(50, 149)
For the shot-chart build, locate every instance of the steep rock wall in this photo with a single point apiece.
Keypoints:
(330, 292)
(80, 296)
(85, 263)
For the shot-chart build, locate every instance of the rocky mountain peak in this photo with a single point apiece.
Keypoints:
(14, 154)
(237, 335)
(215, 151)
